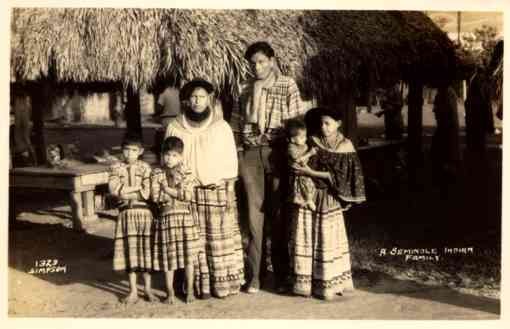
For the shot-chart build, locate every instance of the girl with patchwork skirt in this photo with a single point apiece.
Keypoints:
(129, 182)
(319, 245)
(177, 243)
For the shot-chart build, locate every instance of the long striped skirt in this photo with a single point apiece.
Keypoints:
(220, 231)
(176, 241)
(319, 249)
(133, 240)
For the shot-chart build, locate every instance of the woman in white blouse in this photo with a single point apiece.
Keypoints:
(210, 153)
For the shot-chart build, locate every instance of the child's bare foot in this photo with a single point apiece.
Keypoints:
(130, 299)
(170, 299)
(150, 297)
(311, 205)
(190, 298)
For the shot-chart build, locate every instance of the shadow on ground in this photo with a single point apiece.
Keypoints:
(381, 283)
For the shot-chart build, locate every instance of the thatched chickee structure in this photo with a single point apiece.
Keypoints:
(335, 56)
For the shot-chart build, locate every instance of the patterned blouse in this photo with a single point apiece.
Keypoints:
(179, 178)
(137, 174)
(345, 168)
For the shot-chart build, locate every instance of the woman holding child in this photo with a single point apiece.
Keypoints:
(319, 247)
(210, 153)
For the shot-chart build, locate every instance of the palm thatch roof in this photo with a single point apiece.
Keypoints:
(323, 50)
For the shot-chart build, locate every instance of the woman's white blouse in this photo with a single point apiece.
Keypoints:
(209, 151)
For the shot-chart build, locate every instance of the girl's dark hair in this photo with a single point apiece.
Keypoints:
(260, 46)
(132, 139)
(293, 126)
(172, 143)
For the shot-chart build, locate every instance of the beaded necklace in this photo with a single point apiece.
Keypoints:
(339, 138)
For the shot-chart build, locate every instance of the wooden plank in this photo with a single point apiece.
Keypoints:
(80, 170)
(45, 182)
(94, 179)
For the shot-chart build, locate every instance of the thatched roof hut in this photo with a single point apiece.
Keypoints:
(334, 55)
(323, 50)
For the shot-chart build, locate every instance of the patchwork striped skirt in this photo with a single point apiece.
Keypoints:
(220, 231)
(319, 249)
(133, 240)
(176, 242)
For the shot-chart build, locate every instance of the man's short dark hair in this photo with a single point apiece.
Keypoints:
(260, 46)
(293, 127)
(172, 143)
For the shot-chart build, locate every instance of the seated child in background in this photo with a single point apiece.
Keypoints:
(177, 233)
(302, 187)
(129, 182)
(56, 157)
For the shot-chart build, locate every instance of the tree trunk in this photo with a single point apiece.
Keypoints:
(133, 115)
(415, 129)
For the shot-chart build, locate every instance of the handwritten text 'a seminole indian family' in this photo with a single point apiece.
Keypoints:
(424, 254)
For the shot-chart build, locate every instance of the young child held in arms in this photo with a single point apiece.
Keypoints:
(129, 182)
(177, 234)
(304, 190)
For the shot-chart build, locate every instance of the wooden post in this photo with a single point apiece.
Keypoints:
(133, 115)
(89, 206)
(39, 99)
(350, 118)
(415, 129)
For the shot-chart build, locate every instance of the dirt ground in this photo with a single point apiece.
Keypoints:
(89, 288)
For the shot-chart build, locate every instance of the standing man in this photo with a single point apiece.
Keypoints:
(23, 149)
(168, 105)
(266, 103)
(478, 111)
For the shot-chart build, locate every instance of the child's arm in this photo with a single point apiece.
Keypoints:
(145, 189)
(156, 182)
(114, 184)
(293, 153)
(125, 191)
(308, 154)
(142, 191)
(186, 189)
(160, 191)
(170, 192)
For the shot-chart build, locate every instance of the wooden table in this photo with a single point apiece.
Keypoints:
(79, 181)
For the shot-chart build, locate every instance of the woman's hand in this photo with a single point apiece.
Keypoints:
(330, 179)
(304, 170)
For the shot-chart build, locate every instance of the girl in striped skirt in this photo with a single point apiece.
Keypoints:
(129, 181)
(177, 235)
(319, 245)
